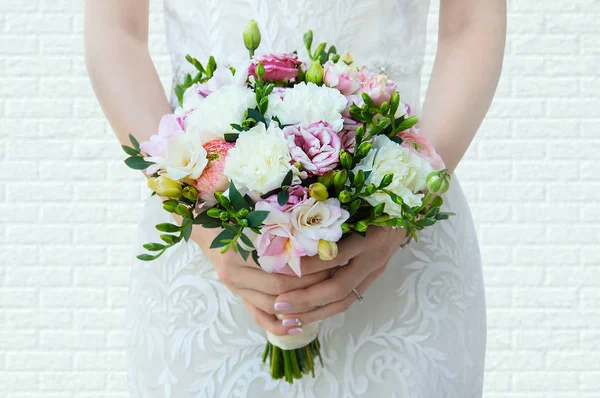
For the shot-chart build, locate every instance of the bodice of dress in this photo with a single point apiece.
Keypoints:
(386, 35)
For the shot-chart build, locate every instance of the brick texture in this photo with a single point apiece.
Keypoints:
(65, 237)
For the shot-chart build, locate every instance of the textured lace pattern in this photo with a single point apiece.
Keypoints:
(420, 331)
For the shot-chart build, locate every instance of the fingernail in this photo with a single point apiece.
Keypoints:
(283, 306)
(292, 322)
(295, 331)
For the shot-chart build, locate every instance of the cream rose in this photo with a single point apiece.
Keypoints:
(184, 158)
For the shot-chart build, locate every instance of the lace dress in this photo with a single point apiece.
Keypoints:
(420, 331)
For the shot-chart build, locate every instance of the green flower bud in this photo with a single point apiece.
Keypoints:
(327, 178)
(360, 132)
(184, 211)
(340, 179)
(384, 107)
(345, 159)
(345, 228)
(318, 191)
(382, 218)
(438, 182)
(386, 180)
(361, 226)
(359, 178)
(378, 210)
(394, 102)
(315, 73)
(224, 216)
(260, 70)
(345, 196)
(371, 188)
(252, 36)
(190, 193)
(223, 200)
(165, 187)
(308, 39)
(354, 206)
(214, 212)
(170, 205)
(243, 223)
(243, 212)
(364, 148)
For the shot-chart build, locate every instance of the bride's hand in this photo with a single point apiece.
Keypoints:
(366, 260)
(258, 288)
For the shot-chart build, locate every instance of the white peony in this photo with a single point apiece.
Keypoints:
(410, 173)
(184, 157)
(260, 159)
(308, 103)
(216, 112)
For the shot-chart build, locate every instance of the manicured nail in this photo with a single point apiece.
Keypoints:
(295, 331)
(292, 322)
(283, 306)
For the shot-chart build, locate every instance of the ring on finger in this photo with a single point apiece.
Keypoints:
(358, 296)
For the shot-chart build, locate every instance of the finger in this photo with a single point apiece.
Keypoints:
(266, 321)
(334, 308)
(264, 302)
(348, 248)
(270, 283)
(330, 290)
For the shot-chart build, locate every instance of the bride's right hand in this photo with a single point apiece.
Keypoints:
(247, 280)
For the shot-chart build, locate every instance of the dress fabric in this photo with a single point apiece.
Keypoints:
(421, 330)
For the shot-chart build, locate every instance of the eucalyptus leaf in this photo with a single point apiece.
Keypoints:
(244, 253)
(130, 151)
(222, 239)
(256, 217)
(282, 198)
(187, 231)
(288, 178)
(137, 163)
(247, 241)
(236, 199)
(134, 142)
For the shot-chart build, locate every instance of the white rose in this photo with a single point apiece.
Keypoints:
(308, 103)
(216, 112)
(184, 157)
(260, 159)
(410, 173)
(314, 220)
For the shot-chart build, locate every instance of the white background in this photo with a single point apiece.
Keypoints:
(68, 206)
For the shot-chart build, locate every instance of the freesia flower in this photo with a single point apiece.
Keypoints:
(277, 66)
(314, 220)
(409, 170)
(169, 127)
(308, 103)
(316, 146)
(416, 143)
(260, 159)
(183, 158)
(212, 178)
(218, 111)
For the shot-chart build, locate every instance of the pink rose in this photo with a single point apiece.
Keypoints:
(341, 76)
(212, 178)
(277, 66)
(417, 144)
(316, 146)
(297, 195)
(169, 126)
(277, 248)
(378, 87)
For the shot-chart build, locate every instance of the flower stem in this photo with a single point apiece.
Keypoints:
(292, 364)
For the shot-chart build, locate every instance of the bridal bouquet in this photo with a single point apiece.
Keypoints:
(287, 157)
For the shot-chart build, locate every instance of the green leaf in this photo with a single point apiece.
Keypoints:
(184, 211)
(282, 197)
(243, 253)
(170, 239)
(396, 139)
(232, 137)
(134, 142)
(426, 222)
(130, 151)
(222, 239)
(288, 178)
(406, 124)
(247, 241)
(137, 163)
(437, 202)
(187, 231)
(154, 247)
(256, 115)
(255, 218)
(236, 199)
(206, 221)
(237, 127)
(147, 257)
(255, 258)
(166, 227)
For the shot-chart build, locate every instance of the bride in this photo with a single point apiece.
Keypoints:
(196, 319)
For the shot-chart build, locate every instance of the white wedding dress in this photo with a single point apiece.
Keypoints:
(421, 330)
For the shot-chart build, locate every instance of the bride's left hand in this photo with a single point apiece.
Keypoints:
(366, 258)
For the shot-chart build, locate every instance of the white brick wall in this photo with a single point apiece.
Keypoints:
(65, 232)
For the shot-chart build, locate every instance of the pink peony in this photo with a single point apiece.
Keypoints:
(277, 66)
(316, 146)
(297, 195)
(417, 144)
(378, 87)
(212, 178)
(169, 127)
(341, 76)
(277, 248)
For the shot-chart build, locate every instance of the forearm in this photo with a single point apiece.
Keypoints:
(124, 79)
(464, 78)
